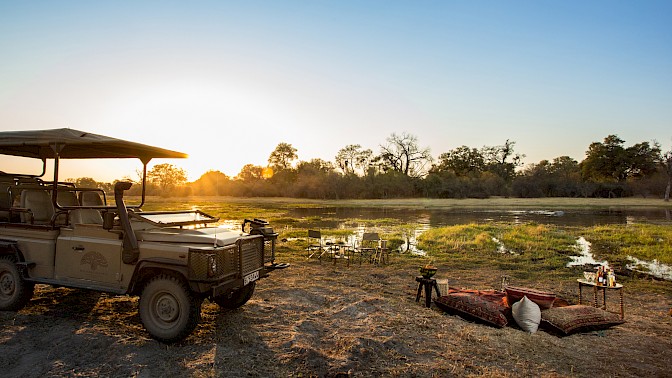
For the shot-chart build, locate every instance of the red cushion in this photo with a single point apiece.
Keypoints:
(542, 298)
(488, 306)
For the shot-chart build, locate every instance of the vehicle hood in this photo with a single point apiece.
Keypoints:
(209, 236)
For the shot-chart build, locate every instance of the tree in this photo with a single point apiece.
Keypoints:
(167, 177)
(402, 154)
(497, 160)
(250, 172)
(84, 182)
(211, 183)
(314, 167)
(352, 156)
(611, 162)
(462, 161)
(666, 163)
(642, 159)
(281, 158)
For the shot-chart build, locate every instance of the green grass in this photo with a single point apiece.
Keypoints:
(532, 249)
(538, 251)
(644, 241)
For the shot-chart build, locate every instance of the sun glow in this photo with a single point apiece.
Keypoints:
(267, 172)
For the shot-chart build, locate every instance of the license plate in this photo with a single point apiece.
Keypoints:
(250, 278)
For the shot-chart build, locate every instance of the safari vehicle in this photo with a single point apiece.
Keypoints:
(58, 234)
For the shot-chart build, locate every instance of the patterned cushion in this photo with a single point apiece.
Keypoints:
(578, 318)
(488, 306)
(542, 298)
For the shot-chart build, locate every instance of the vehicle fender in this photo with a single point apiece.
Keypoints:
(145, 269)
(10, 247)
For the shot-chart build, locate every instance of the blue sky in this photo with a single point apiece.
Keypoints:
(226, 81)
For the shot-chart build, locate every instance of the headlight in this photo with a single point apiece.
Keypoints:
(212, 265)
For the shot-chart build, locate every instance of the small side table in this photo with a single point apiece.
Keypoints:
(428, 284)
(618, 288)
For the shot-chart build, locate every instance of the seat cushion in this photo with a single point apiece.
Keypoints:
(578, 318)
(542, 298)
(527, 315)
(487, 306)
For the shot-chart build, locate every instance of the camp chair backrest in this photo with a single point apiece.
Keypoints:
(90, 198)
(39, 204)
(370, 236)
(314, 234)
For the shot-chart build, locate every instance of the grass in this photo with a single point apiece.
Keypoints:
(427, 203)
(643, 241)
(533, 251)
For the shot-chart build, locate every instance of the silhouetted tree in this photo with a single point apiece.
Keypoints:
(502, 160)
(167, 177)
(250, 172)
(282, 157)
(666, 163)
(353, 156)
(402, 154)
(462, 161)
(211, 183)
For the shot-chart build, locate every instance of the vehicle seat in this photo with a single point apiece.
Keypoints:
(85, 216)
(39, 203)
(90, 198)
(5, 200)
(67, 198)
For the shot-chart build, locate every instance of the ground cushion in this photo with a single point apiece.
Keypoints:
(487, 306)
(542, 298)
(526, 314)
(578, 318)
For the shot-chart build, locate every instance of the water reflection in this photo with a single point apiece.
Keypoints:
(336, 217)
(654, 268)
(585, 256)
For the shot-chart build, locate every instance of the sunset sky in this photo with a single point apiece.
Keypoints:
(227, 81)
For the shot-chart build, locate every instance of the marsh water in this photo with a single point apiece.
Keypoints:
(419, 220)
(335, 217)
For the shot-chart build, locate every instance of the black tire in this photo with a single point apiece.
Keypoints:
(237, 298)
(14, 291)
(168, 309)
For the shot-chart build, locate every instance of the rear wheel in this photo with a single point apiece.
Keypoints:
(14, 291)
(168, 309)
(237, 298)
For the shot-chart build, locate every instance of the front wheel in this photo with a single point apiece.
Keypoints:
(168, 309)
(237, 298)
(14, 291)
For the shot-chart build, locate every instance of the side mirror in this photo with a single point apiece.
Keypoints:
(108, 220)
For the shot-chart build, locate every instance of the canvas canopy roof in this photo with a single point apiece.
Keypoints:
(75, 144)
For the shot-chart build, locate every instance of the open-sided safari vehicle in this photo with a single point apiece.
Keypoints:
(54, 233)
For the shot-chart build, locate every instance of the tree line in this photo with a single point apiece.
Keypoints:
(402, 168)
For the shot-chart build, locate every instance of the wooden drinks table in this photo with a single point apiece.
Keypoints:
(596, 288)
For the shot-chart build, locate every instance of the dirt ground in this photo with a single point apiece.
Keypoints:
(323, 320)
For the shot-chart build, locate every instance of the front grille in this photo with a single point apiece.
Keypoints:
(213, 265)
(244, 257)
(269, 249)
(251, 251)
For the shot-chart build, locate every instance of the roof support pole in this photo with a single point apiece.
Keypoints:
(57, 148)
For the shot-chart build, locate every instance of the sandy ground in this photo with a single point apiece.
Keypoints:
(323, 320)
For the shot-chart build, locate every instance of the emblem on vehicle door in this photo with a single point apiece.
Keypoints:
(94, 259)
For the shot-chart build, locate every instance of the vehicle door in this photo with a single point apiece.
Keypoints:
(89, 255)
